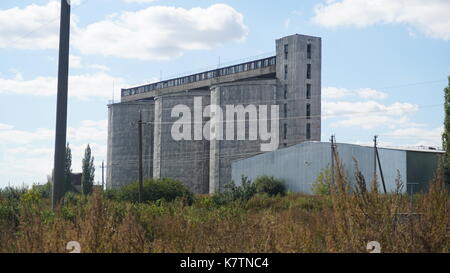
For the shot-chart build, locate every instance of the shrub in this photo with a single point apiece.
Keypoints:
(244, 192)
(10, 193)
(322, 184)
(154, 190)
(270, 186)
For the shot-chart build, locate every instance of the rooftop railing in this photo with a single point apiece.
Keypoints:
(243, 67)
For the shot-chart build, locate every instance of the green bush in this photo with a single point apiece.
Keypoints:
(322, 185)
(10, 193)
(244, 192)
(153, 190)
(270, 186)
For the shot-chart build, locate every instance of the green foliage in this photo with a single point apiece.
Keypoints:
(322, 184)
(153, 190)
(446, 134)
(44, 191)
(270, 186)
(243, 193)
(68, 170)
(232, 192)
(87, 178)
(11, 193)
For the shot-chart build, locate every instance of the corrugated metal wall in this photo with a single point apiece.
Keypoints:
(300, 165)
(421, 169)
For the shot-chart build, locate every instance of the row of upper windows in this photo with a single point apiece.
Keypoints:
(308, 91)
(308, 71)
(201, 76)
(308, 51)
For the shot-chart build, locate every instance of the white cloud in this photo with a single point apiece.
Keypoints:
(368, 114)
(427, 16)
(5, 126)
(14, 136)
(364, 107)
(75, 61)
(28, 154)
(153, 33)
(335, 92)
(87, 131)
(365, 93)
(98, 84)
(420, 136)
(139, 1)
(31, 27)
(99, 67)
(162, 32)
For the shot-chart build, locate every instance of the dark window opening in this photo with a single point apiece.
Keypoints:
(285, 72)
(309, 51)
(286, 51)
(308, 131)
(285, 110)
(308, 111)
(308, 71)
(285, 91)
(308, 91)
(285, 131)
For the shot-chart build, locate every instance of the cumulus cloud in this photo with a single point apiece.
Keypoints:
(420, 136)
(427, 16)
(368, 114)
(153, 33)
(28, 154)
(98, 84)
(366, 107)
(162, 32)
(365, 93)
(139, 1)
(32, 27)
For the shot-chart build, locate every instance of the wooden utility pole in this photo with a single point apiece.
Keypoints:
(332, 158)
(377, 159)
(141, 176)
(61, 106)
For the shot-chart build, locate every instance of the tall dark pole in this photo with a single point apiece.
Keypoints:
(375, 158)
(103, 175)
(141, 177)
(332, 159)
(61, 107)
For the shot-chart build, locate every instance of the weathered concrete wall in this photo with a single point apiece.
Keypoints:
(296, 81)
(203, 165)
(300, 165)
(223, 152)
(184, 160)
(123, 153)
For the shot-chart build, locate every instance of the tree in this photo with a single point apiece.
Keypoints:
(446, 134)
(87, 179)
(68, 170)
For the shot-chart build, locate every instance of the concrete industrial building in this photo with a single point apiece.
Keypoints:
(291, 80)
(301, 164)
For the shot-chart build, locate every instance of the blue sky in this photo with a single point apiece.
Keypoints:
(384, 65)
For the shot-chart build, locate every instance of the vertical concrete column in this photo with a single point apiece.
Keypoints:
(109, 152)
(214, 158)
(157, 137)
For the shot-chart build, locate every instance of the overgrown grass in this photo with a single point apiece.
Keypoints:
(344, 221)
